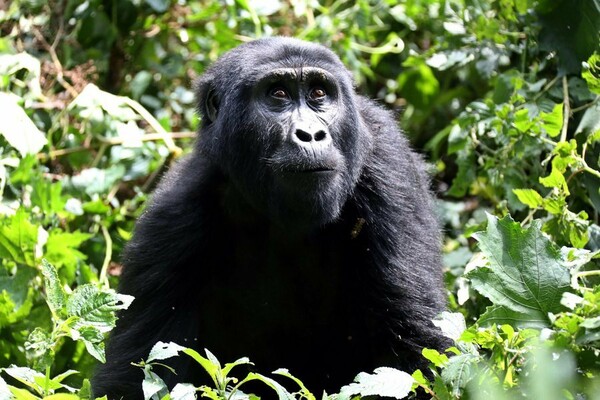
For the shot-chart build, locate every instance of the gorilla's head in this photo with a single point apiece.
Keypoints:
(280, 119)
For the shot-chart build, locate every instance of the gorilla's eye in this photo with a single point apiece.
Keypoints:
(317, 93)
(279, 93)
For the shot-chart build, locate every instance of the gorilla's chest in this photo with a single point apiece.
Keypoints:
(286, 302)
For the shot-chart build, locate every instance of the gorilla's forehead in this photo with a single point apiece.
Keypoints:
(252, 60)
(300, 74)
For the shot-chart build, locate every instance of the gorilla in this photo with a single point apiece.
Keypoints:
(300, 232)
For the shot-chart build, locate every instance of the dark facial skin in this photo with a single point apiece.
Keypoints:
(300, 232)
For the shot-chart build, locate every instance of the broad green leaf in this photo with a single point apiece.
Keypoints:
(11, 64)
(16, 294)
(303, 390)
(17, 128)
(96, 307)
(153, 385)
(552, 122)
(162, 351)
(591, 73)
(93, 181)
(93, 339)
(26, 376)
(4, 390)
(459, 371)
(384, 382)
(590, 123)
(282, 393)
(213, 369)
(18, 238)
(39, 348)
(500, 315)
(555, 180)
(183, 391)
(438, 359)
(229, 366)
(21, 394)
(529, 197)
(522, 121)
(62, 248)
(55, 294)
(92, 102)
(452, 325)
(526, 273)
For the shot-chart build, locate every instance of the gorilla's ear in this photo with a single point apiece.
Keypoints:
(211, 104)
(207, 99)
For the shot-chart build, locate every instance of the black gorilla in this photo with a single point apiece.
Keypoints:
(300, 232)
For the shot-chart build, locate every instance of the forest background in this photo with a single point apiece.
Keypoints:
(500, 96)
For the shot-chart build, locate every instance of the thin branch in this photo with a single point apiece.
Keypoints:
(149, 118)
(587, 105)
(59, 69)
(546, 88)
(107, 256)
(566, 110)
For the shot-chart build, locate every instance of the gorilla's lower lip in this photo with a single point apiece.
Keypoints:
(316, 170)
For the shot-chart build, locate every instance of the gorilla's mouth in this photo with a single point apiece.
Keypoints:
(316, 170)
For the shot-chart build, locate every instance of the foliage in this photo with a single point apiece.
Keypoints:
(96, 102)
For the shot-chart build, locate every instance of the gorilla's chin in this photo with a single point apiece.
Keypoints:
(308, 199)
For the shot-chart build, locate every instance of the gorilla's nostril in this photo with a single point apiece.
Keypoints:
(320, 135)
(303, 136)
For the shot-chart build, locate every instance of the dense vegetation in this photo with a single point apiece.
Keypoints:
(501, 96)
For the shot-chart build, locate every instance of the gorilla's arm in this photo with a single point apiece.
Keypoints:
(402, 235)
(168, 235)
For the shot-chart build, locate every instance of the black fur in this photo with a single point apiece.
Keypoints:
(243, 252)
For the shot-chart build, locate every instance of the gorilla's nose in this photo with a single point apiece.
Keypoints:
(307, 137)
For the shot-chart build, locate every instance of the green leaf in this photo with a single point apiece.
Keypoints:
(96, 307)
(213, 369)
(16, 294)
(555, 180)
(183, 391)
(590, 123)
(162, 351)
(591, 73)
(385, 382)
(459, 371)
(500, 315)
(282, 393)
(26, 376)
(16, 127)
(526, 273)
(522, 121)
(438, 359)
(93, 339)
(18, 238)
(153, 385)
(452, 325)
(4, 390)
(529, 197)
(39, 348)
(11, 64)
(62, 248)
(55, 294)
(304, 392)
(552, 122)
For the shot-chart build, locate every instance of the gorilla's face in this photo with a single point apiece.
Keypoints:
(285, 129)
